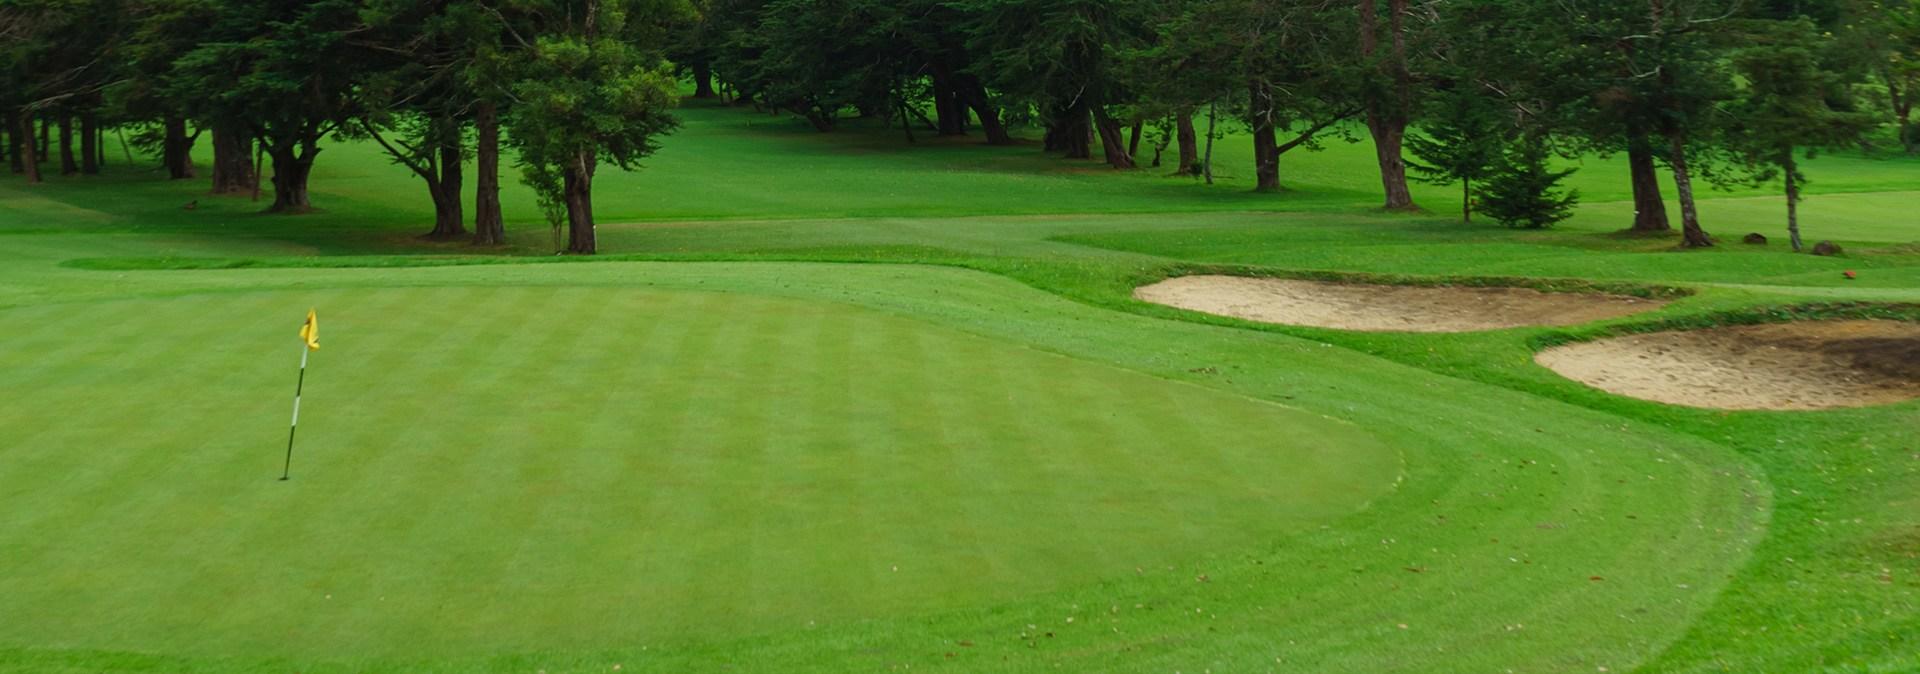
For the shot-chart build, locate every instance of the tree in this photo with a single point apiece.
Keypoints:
(694, 48)
(817, 57)
(1888, 31)
(1388, 95)
(151, 100)
(586, 93)
(425, 94)
(1581, 67)
(1524, 192)
(1275, 55)
(1654, 70)
(480, 37)
(1791, 103)
(1063, 56)
(1462, 141)
(56, 56)
(286, 69)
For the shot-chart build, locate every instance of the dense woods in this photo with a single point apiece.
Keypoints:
(1476, 93)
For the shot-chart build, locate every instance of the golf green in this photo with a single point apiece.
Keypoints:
(473, 478)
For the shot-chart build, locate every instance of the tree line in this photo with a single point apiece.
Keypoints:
(1478, 93)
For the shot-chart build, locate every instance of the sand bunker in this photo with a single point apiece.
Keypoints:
(1784, 366)
(1386, 308)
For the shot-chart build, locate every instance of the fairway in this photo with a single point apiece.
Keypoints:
(744, 464)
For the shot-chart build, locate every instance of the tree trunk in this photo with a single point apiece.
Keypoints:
(577, 184)
(291, 167)
(1692, 236)
(1466, 200)
(1112, 144)
(259, 164)
(449, 219)
(23, 139)
(489, 229)
(1206, 165)
(1075, 132)
(1900, 91)
(10, 137)
(1189, 142)
(177, 150)
(1055, 139)
(89, 145)
(102, 144)
(67, 165)
(702, 79)
(976, 96)
(1649, 208)
(947, 105)
(1387, 114)
(1389, 134)
(906, 118)
(1789, 168)
(232, 165)
(1266, 159)
(1266, 150)
(820, 120)
(1909, 138)
(1133, 140)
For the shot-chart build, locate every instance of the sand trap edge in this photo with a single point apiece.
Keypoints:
(1389, 307)
(1796, 365)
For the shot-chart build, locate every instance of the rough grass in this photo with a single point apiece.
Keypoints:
(1536, 525)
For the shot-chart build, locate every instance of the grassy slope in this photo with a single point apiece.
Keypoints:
(1843, 482)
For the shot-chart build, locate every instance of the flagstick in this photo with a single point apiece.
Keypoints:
(286, 470)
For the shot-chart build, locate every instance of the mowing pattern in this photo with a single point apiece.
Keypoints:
(473, 480)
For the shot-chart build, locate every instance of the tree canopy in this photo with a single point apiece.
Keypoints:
(1709, 90)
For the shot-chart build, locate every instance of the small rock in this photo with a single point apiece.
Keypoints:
(1755, 238)
(1826, 248)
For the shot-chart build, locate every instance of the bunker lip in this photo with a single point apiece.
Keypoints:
(1807, 365)
(1387, 308)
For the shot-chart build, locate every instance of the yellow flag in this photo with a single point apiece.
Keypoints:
(310, 331)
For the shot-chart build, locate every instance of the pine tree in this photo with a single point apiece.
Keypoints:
(1791, 105)
(1525, 192)
(1461, 143)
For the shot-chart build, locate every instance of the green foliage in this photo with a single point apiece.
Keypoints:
(1065, 57)
(1885, 35)
(1524, 192)
(58, 56)
(1293, 51)
(1790, 101)
(1462, 141)
(288, 66)
(818, 57)
(585, 92)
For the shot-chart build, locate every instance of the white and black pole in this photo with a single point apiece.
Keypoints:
(286, 470)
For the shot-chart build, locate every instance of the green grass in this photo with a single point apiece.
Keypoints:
(711, 448)
(727, 464)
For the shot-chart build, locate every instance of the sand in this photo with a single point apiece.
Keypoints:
(1386, 308)
(1784, 366)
